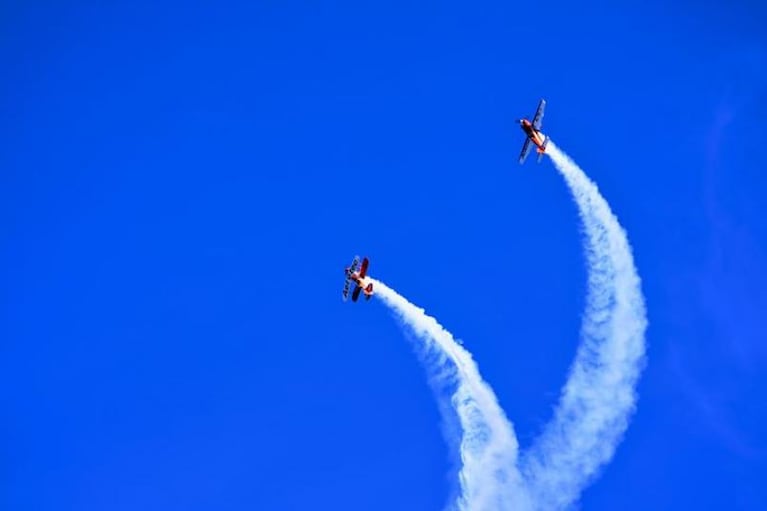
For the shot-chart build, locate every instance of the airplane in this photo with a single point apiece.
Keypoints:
(534, 135)
(358, 277)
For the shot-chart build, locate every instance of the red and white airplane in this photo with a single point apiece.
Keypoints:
(359, 278)
(534, 135)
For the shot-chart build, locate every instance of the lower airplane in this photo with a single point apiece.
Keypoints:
(358, 277)
(534, 135)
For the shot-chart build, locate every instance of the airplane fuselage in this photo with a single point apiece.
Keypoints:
(360, 281)
(533, 134)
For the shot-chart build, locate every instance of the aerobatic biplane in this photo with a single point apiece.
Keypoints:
(359, 277)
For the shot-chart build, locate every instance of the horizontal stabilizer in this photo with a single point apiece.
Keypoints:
(542, 150)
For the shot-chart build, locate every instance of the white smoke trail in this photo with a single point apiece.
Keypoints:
(599, 396)
(596, 401)
(489, 478)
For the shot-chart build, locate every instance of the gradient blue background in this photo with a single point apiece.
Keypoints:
(182, 186)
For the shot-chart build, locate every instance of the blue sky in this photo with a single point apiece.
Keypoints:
(183, 185)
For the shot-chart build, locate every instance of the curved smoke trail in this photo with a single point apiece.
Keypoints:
(489, 477)
(599, 396)
(596, 401)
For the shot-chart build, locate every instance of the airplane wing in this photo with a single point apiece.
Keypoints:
(347, 286)
(345, 292)
(347, 282)
(356, 293)
(525, 151)
(364, 267)
(538, 119)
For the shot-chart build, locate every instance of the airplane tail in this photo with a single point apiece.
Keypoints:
(369, 291)
(542, 150)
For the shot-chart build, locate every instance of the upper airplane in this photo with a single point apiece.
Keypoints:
(533, 132)
(359, 278)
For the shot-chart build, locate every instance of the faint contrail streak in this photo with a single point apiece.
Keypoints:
(489, 479)
(599, 396)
